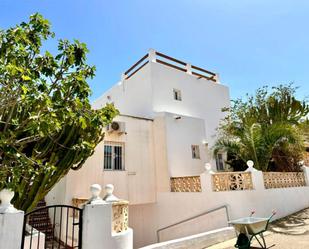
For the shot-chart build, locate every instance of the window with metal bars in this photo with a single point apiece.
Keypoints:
(195, 151)
(113, 156)
(177, 94)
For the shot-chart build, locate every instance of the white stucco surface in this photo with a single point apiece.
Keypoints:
(131, 97)
(11, 225)
(150, 91)
(97, 229)
(138, 173)
(200, 98)
(181, 134)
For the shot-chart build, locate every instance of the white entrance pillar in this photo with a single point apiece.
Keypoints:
(11, 222)
(105, 222)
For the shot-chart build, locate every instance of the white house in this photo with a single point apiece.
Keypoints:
(169, 114)
(155, 151)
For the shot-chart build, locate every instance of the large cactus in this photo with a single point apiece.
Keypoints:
(47, 126)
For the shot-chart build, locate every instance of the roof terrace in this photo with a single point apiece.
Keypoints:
(169, 61)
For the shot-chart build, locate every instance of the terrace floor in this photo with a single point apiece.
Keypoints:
(291, 232)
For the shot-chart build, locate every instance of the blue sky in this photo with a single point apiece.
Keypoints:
(250, 43)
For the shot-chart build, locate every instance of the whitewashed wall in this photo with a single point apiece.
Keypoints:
(139, 170)
(11, 226)
(97, 229)
(180, 135)
(132, 96)
(150, 91)
(201, 98)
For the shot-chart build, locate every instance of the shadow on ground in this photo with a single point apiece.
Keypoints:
(295, 224)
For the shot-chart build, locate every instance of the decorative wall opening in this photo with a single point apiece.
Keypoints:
(186, 184)
(284, 179)
(120, 216)
(232, 181)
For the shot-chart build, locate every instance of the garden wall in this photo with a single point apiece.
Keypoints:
(241, 192)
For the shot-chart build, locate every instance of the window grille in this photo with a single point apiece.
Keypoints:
(113, 156)
(177, 94)
(195, 151)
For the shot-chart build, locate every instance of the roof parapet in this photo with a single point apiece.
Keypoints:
(157, 57)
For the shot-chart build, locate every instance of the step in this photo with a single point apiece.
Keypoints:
(197, 241)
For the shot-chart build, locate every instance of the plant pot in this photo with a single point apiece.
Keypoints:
(6, 195)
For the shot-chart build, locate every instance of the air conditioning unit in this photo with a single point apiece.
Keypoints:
(118, 127)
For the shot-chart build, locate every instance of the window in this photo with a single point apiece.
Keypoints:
(195, 151)
(113, 156)
(219, 162)
(177, 94)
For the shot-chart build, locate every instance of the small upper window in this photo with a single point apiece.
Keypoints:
(177, 94)
(195, 151)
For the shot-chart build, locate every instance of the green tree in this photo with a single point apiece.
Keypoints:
(47, 125)
(265, 129)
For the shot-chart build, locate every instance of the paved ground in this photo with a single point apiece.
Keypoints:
(291, 232)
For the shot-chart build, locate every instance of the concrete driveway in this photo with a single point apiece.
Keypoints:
(291, 232)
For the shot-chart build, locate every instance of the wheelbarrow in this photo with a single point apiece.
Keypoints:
(248, 228)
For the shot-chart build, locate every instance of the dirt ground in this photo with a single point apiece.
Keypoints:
(291, 232)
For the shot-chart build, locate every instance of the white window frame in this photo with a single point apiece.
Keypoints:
(195, 151)
(177, 94)
(112, 159)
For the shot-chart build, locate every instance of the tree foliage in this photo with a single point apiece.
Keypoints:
(265, 129)
(304, 126)
(47, 125)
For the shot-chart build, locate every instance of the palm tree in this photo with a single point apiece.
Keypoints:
(258, 143)
(265, 129)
